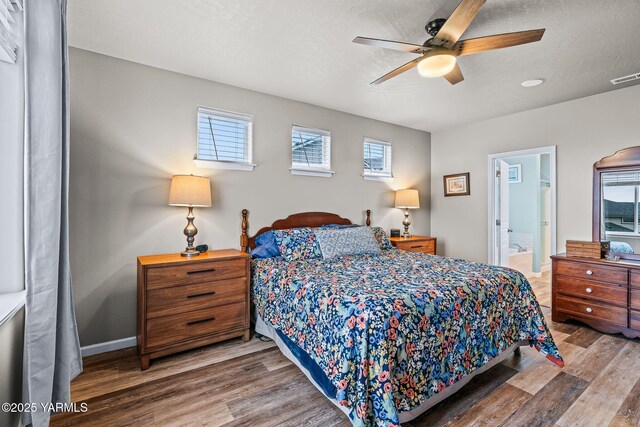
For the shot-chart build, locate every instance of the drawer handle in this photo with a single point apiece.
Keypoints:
(204, 294)
(589, 309)
(195, 322)
(211, 270)
(416, 247)
(589, 272)
(589, 290)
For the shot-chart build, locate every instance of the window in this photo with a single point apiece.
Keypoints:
(8, 30)
(621, 195)
(377, 159)
(224, 139)
(310, 152)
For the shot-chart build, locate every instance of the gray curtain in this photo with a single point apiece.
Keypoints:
(52, 349)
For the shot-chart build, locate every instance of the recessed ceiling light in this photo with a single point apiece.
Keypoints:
(532, 83)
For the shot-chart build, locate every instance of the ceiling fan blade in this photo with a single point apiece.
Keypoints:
(455, 75)
(457, 23)
(390, 44)
(399, 70)
(498, 41)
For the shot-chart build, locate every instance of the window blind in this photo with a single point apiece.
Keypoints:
(224, 136)
(8, 36)
(612, 179)
(310, 148)
(377, 157)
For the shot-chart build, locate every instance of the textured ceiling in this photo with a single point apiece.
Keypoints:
(302, 50)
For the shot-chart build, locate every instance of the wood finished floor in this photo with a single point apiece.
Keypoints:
(252, 384)
(542, 288)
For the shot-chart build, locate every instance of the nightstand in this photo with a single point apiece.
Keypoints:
(185, 303)
(425, 244)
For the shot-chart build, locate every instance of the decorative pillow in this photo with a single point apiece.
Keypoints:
(297, 244)
(266, 246)
(382, 238)
(335, 243)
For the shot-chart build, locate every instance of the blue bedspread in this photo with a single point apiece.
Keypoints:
(389, 331)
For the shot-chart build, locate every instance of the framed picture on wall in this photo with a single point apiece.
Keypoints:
(515, 174)
(457, 185)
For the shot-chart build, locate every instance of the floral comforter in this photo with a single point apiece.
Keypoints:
(389, 331)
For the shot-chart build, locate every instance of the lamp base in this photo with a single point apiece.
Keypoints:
(190, 231)
(190, 253)
(406, 222)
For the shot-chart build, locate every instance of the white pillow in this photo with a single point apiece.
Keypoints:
(335, 243)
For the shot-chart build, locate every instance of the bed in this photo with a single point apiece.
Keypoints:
(387, 335)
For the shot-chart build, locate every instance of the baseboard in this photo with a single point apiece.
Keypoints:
(104, 347)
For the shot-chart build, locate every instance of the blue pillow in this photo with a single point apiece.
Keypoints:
(266, 246)
(297, 244)
(621, 247)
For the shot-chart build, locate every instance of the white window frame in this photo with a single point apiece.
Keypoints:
(370, 175)
(318, 171)
(247, 164)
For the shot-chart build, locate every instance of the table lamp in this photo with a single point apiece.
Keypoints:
(190, 191)
(407, 199)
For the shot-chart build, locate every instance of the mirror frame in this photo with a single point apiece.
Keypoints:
(622, 160)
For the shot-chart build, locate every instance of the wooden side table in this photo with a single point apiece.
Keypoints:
(424, 244)
(185, 303)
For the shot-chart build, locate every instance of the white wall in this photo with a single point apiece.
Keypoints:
(133, 127)
(584, 131)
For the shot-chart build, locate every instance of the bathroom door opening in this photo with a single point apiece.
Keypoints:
(522, 210)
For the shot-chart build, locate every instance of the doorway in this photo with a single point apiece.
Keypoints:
(522, 214)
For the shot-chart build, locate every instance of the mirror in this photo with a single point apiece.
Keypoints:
(620, 201)
(616, 202)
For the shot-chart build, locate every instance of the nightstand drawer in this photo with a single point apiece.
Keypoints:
(426, 246)
(182, 298)
(592, 272)
(592, 290)
(174, 329)
(591, 310)
(196, 272)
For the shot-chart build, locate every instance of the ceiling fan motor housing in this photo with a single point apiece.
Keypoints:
(434, 26)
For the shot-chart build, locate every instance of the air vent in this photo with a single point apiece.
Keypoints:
(626, 79)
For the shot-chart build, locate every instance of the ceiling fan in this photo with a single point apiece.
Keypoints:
(438, 55)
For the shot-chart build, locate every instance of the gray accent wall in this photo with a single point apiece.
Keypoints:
(584, 130)
(134, 126)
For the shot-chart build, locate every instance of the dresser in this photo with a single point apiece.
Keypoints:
(605, 295)
(424, 244)
(185, 303)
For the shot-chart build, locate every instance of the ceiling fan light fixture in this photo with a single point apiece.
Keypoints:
(437, 65)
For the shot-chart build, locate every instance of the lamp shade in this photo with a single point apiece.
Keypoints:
(407, 199)
(190, 190)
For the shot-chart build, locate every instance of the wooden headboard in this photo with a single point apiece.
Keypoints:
(304, 219)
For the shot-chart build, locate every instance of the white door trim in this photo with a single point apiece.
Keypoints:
(551, 150)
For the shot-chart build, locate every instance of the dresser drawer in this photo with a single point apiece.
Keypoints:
(592, 290)
(592, 310)
(635, 320)
(425, 247)
(635, 279)
(168, 330)
(635, 298)
(196, 272)
(593, 272)
(181, 298)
